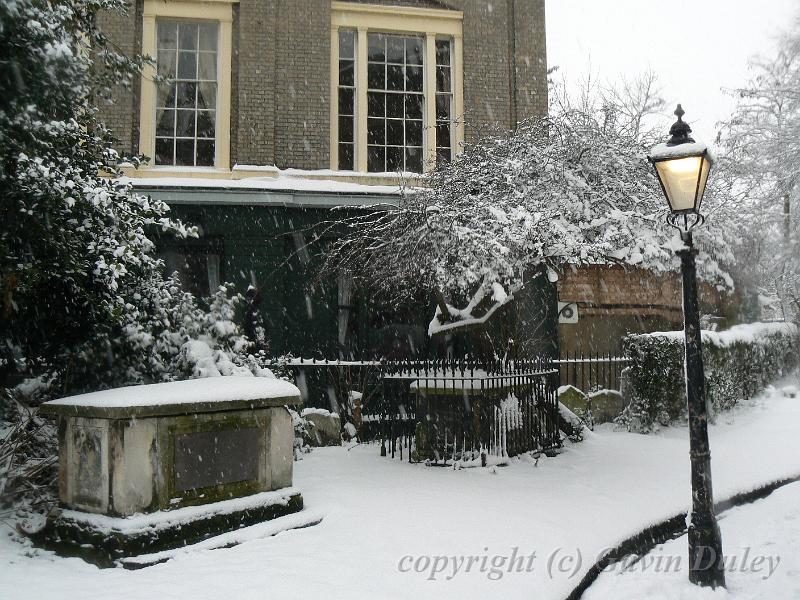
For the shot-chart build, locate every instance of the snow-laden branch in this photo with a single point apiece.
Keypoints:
(566, 189)
(463, 318)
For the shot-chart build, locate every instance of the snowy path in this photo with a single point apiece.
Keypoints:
(377, 512)
(762, 548)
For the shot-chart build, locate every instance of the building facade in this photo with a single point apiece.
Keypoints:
(260, 116)
(317, 84)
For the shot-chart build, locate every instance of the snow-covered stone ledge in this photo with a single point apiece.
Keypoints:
(160, 454)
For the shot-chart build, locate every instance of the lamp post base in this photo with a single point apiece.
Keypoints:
(706, 566)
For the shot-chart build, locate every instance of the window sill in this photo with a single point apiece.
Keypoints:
(270, 172)
(195, 172)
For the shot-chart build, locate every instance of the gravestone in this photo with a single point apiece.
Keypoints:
(325, 427)
(606, 405)
(150, 467)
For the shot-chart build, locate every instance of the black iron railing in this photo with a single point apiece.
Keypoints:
(442, 411)
(591, 372)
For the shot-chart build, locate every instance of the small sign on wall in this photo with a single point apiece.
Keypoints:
(567, 312)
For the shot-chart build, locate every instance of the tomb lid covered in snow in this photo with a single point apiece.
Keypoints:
(214, 394)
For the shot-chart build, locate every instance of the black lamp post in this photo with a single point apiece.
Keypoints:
(682, 166)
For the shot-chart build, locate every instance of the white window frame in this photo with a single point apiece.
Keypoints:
(220, 12)
(428, 22)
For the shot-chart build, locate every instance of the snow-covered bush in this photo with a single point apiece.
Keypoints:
(75, 251)
(738, 364)
(84, 301)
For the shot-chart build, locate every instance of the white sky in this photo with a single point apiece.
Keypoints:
(697, 47)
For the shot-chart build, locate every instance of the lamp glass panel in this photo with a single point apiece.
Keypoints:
(679, 177)
(703, 180)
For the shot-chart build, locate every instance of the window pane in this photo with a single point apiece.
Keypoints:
(187, 65)
(167, 34)
(205, 153)
(376, 159)
(414, 79)
(442, 79)
(394, 105)
(346, 72)
(186, 95)
(414, 160)
(394, 158)
(376, 104)
(443, 135)
(207, 69)
(376, 132)
(376, 76)
(184, 153)
(414, 106)
(442, 52)
(347, 44)
(206, 95)
(394, 132)
(414, 133)
(442, 156)
(187, 36)
(346, 101)
(395, 49)
(443, 107)
(394, 78)
(205, 124)
(166, 96)
(165, 151)
(346, 157)
(376, 43)
(208, 36)
(185, 123)
(165, 122)
(346, 129)
(166, 63)
(413, 51)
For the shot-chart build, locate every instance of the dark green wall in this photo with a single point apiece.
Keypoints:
(258, 243)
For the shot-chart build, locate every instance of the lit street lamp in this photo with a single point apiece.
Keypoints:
(682, 166)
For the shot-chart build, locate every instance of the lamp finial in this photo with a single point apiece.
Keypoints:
(680, 130)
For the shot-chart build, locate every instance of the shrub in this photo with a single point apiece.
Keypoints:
(738, 363)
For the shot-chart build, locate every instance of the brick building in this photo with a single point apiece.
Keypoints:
(608, 302)
(284, 67)
(268, 113)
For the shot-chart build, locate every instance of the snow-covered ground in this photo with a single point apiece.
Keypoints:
(395, 530)
(761, 542)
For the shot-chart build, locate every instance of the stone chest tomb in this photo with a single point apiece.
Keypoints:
(182, 461)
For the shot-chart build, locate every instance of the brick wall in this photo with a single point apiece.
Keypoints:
(121, 115)
(619, 287)
(302, 124)
(281, 75)
(615, 286)
(531, 58)
(615, 301)
(253, 83)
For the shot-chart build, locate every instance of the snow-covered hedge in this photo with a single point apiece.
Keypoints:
(738, 364)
